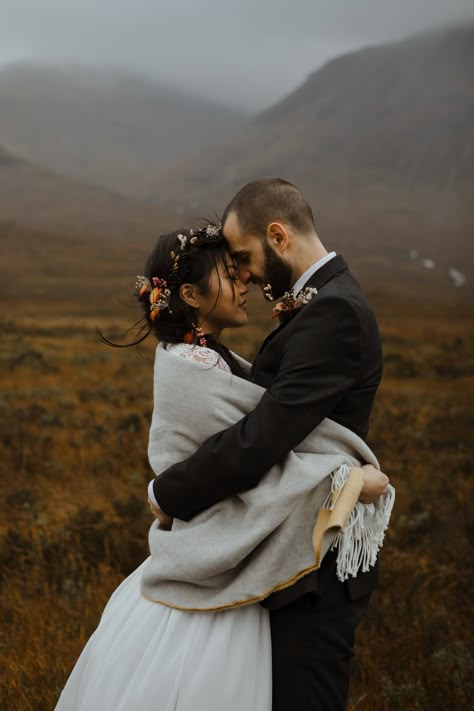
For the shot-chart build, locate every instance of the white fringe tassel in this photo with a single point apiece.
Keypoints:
(359, 542)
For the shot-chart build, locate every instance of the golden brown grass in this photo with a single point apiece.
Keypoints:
(415, 647)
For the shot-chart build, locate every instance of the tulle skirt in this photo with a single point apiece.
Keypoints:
(144, 656)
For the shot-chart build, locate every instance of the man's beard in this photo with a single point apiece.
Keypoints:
(277, 272)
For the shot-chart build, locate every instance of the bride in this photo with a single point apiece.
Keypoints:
(185, 630)
(144, 655)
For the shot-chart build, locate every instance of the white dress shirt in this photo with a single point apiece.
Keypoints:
(309, 272)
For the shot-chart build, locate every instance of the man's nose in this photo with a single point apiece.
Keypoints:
(244, 275)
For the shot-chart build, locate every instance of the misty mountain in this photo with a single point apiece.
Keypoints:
(400, 115)
(382, 143)
(33, 196)
(104, 127)
(380, 140)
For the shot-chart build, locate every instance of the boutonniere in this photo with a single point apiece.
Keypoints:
(289, 303)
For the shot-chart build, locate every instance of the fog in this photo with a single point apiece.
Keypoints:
(240, 52)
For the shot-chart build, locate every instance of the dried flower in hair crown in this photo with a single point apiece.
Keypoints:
(159, 294)
(211, 234)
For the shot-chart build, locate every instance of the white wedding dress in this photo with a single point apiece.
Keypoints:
(144, 656)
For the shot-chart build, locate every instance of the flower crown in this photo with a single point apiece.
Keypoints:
(160, 289)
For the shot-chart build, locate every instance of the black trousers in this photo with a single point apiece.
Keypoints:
(312, 647)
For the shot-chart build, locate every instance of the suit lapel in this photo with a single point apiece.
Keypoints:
(328, 271)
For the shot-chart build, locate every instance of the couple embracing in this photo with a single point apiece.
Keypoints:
(270, 508)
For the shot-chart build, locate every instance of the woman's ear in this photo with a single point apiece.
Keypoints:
(189, 294)
(277, 237)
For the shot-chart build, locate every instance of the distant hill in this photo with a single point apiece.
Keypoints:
(382, 142)
(400, 114)
(33, 196)
(102, 126)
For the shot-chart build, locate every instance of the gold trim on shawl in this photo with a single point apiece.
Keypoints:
(329, 521)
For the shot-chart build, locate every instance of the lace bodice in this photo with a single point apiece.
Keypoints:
(199, 353)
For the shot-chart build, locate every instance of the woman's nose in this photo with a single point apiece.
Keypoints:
(243, 289)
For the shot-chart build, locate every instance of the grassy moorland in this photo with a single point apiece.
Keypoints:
(74, 417)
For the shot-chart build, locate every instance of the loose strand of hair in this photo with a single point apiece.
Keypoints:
(143, 333)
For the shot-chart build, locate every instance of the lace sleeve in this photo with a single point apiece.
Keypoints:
(199, 353)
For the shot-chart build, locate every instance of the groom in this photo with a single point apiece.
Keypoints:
(324, 360)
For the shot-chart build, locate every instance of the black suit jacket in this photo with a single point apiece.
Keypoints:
(324, 361)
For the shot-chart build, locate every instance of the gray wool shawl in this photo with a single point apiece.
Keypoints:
(242, 549)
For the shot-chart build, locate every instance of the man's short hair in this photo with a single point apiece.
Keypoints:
(267, 200)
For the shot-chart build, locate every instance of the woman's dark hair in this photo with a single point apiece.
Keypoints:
(196, 264)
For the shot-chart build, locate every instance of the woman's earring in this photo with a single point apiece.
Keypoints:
(200, 335)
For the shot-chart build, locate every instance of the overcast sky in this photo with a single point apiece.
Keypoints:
(245, 52)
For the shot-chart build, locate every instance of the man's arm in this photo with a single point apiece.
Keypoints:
(320, 363)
